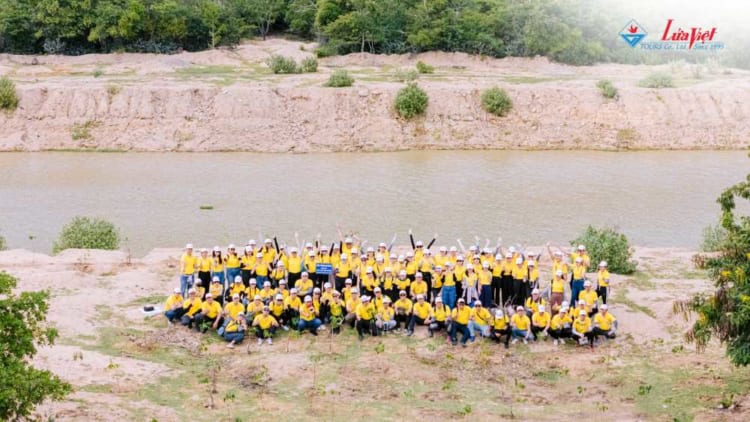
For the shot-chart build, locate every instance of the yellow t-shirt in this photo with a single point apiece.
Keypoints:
(521, 322)
(173, 301)
(189, 261)
(387, 314)
(305, 313)
(449, 279)
(404, 305)
(604, 321)
(267, 294)
(233, 309)
(232, 327)
(421, 310)
(519, 272)
(211, 310)
(558, 285)
(582, 326)
(559, 322)
(560, 265)
(437, 280)
(501, 323)
(292, 302)
(365, 311)
(534, 306)
(342, 270)
(237, 288)
(204, 264)
(540, 319)
(337, 308)
(589, 297)
(418, 288)
(247, 262)
(603, 278)
(481, 316)
(402, 284)
(232, 261)
(461, 316)
(217, 266)
(264, 321)
(441, 312)
(192, 306)
(261, 268)
(303, 286)
(216, 289)
(579, 271)
(276, 308)
(294, 264)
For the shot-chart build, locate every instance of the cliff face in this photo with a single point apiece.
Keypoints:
(153, 112)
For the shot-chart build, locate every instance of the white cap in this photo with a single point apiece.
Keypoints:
(402, 292)
(327, 285)
(586, 283)
(386, 300)
(519, 308)
(268, 241)
(257, 297)
(565, 304)
(512, 249)
(377, 290)
(177, 290)
(231, 246)
(469, 267)
(267, 283)
(348, 240)
(355, 291)
(461, 300)
(217, 249)
(401, 257)
(472, 248)
(402, 272)
(486, 250)
(498, 257)
(581, 248)
(369, 249)
(387, 269)
(604, 307)
(379, 258)
(531, 263)
(311, 253)
(308, 298)
(427, 252)
(499, 313)
(579, 259)
(293, 250)
(448, 264)
(418, 275)
(316, 290)
(453, 249)
(204, 250)
(294, 290)
(485, 265)
(308, 245)
(519, 260)
(209, 295)
(248, 248)
(508, 255)
(603, 264)
(382, 245)
(253, 281)
(460, 258)
(439, 299)
(368, 270)
(419, 243)
(365, 298)
(343, 256)
(282, 282)
(420, 296)
(280, 263)
(236, 296)
(189, 246)
(258, 255)
(582, 312)
(559, 273)
(215, 279)
(238, 279)
(443, 249)
(409, 254)
(541, 308)
(535, 292)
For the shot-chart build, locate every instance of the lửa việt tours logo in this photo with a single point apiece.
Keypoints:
(673, 37)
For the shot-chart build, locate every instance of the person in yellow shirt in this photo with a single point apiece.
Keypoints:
(386, 318)
(278, 309)
(304, 285)
(582, 330)
(532, 275)
(576, 286)
(519, 282)
(342, 271)
(602, 281)
(557, 290)
(368, 282)
(308, 317)
(501, 327)
(217, 290)
(351, 307)
(254, 308)
(294, 265)
(589, 296)
(532, 304)
(282, 289)
(460, 318)
(403, 308)
(188, 263)
(210, 314)
(236, 288)
(605, 324)
(309, 266)
(336, 309)
(217, 266)
(191, 306)
(437, 282)
(265, 326)
(540, 321)
(173, 306)
(484, 277)
(388, 284)
(291, 306)
(418, 286)
(560, 326)
(448, 291)
(234, 331)
(520, 326)
(420, 314)
(479, 321)
(260, 268)
(248, 262)
(439, 317)
(402, 282)
(203, 264)
(267, 293)
(347, 292)
(365, 313)
(251, 291)
(378, 299)
(233, 308)
(232, 264)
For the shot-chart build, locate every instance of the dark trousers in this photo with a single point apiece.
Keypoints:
(293, 277)
(463, 329)
(506, 287)
(519, 292)
(560, 333)
(485, 295)
(265, 333)
(602, 292)
(401, 319)
(415, 320)
(246, 276)
(599, 332)
(589, 336)
(496, 296)
(535, 329)
(205, 278)
(201, 319)
(366, 325)
(427, 277)
(436, 326)
(340, 283)
(497, 334)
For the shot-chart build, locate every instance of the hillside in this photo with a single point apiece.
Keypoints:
(227, 100)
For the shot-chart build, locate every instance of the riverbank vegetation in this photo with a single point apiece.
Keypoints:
(339, 78)
(8, 96)
(496, 101)
(607, 244)
(3, 244)
(411, 101)
(578, 32)
(88, 233)
(606, 88)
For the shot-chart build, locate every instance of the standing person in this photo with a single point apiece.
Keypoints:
(459, 272)
(351, 307)
(497, 271)
(506, 280)
(426, 267)
(308, 318)
(449, 285)
(560, 326)
(265, 326)
(520, 326)
(602, 279)
(217, 290)
(579, 273)
(261, 268)
(217, 267)
(365, 314)
(204, 264)
(277, 274)
(557, 291)
(247, 265)
(501, 327)
(187, 269)
(418, 287)
(323, 258)
(232, 264)
(485, 285)
(470, 285)
(304, 286)
(581, 331)
(532, 275)
(309, 266)
(589, 296)
(294, 265)
(460, 323)
(342, 271)
(519, 283)
(388, 283)
(234, 332)
(437, 283)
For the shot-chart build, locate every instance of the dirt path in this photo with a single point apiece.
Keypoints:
(225, 100)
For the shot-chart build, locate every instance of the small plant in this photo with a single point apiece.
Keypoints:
(607, 244)
(113, 90)
(411, 101)
(727, 400)
(423, 67)
(282, 65)
(3, 244)
(581, 389)
(326, 50)
(657, 80)
(714, 237)
(8, 96)
(465, 411)
(405, 75)
(87, 233)
(496, 101)
(678, 349)
(644, 389)
(380, 347)
(308, 65)
(339, 78)
(112, 365)
(626, 135)
(77, 355)
(82, 131)
(206, 207)
(607, 89)
(98, 72)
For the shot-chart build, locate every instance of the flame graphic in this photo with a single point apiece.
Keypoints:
(633, 29)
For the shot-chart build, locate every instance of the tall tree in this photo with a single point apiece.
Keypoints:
(23, 326)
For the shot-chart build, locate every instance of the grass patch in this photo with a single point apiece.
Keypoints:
(552, 374)
(210, 70)
(8, 95)
(607, 89)
(147, 300)
(626, 135)
(621, 296)
(82, 131)
(97, 388)
(641, 280)
(657, 80)
(527, 79)
(206, 207)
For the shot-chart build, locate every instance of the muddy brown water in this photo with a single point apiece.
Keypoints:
(655, 198)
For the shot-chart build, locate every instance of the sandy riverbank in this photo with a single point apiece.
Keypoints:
(228, 100)
(135, 368)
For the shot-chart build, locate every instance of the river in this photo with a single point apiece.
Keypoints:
(656, 198)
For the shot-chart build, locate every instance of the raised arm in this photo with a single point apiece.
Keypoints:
(461, 245)
(393, 241)
(432, 242)
(411, 239)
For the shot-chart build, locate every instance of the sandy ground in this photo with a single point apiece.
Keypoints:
(226, 99)
(127, 367)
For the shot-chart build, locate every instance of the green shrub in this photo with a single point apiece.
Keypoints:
(496, 101)
(405, 75)
(282, 65)
(3, 244)
(607, 89)
(87, 233)
(309, 65)
(657, 80)
(326, 50)
(339, 78)
(8, 96)
(714, 238)
(423, 67)
(411, 101)
(607, 244)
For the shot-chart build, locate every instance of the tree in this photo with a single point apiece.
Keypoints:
(300, 16)
(726, 314)
(267, 12)
(23, 326)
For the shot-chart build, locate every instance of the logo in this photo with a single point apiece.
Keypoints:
(633, 33)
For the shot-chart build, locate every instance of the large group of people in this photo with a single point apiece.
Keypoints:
(479, 291)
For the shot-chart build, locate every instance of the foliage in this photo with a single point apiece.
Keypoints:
(714, 237)
(23, 326)
(308, 65)
(282, 65)
(423, 67)
(657, 80)
(8, 96)
(339, 78)
(607, 89)
(3, 244)
(87, 233)
(496, 101)
(405, 75)
(726, 313)
(606, 244)
(411, 101)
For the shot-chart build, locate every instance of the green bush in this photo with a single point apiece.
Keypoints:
(714, 238)
(326, 50)
(496, 101)
(309, 65)
(405, 75)
(606, 244)
(282, 65)
(339, 78)
(607, 89)
(8, 96)
(411, 101)
(657, 80)
(3, 244)
(87, 233)
(423, 67)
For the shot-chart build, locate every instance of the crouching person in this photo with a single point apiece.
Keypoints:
(560, 326)
(605, 324)
(479, 321)
(540, 321)
(191, 306)
(520, 326)
(386, 319)
(420, 314)
(351, 308)
(265, 326)
(500, 328)
(460, 323)
(234, 332)
(366, 318)
(439, 317)
(173, 308)
(308, 317)
(582, 329)
(209, 316)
